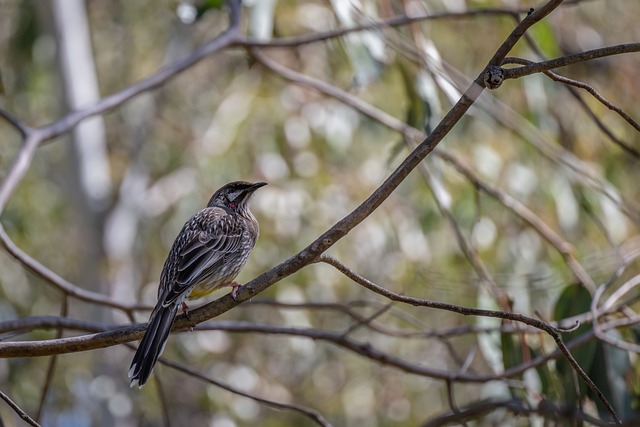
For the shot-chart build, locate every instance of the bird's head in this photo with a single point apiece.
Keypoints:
(234, 196)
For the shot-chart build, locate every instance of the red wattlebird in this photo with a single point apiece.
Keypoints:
(209, 252)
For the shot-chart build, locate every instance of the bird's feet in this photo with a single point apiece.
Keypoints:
(185, 310)
(234, 290)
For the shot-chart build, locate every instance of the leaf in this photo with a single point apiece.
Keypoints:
(511, 350)
(548, 381)
(575, 299)
(416, 108)
(512, 354)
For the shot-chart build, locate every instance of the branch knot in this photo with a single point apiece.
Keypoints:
(493, 77)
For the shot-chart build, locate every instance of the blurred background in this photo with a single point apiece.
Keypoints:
(102, 205)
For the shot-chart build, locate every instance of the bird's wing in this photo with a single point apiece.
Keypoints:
(213, 239)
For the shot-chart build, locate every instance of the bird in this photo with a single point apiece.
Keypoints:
(208, 253)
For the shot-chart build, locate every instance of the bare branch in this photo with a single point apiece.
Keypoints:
(19, 167)
(596, 95)
(578, 84)
(538, 67)
(312, 414)
(16, 123)
(19, 411)
(52, 366)
(166, 421)
(39, 135)
(27, 324)
(394, 21)
(225, 40)
(478, 409)
(121, 335)
(563, 247)
(552, 331)
(58, 282)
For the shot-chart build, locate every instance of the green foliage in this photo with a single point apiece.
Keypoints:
(575, 299)
(608, 366)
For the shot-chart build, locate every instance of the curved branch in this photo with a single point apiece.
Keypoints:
(310, 413)
(538, 67)
(478, 409)
(564, 248)
(122, 335)
(393, 21)
(19, 166)
(63, 285)
(52, 366)
(37, 136)
(28, 324)
(552, 331)
(571, 84)
(226, 39)
(16, 123)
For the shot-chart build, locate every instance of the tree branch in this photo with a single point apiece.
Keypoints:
(58, 282)
(312, 414)
(37, 136)
(538, 67)
(19, 411)
(552, 331)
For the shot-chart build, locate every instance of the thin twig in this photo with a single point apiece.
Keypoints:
(20, 126)
(565, 249)
(19, 166)
(552, 331)
(394, 21)
(65, 286)
(571, 83)
(463, 242)
(19, 411)
(604, 101)
(121, 335)
(52, 364)
(312, 414)
(475, 410)
(166, 420)
(367, 321)
(37, 136)
(538, 67)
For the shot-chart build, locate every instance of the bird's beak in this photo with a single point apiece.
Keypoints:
(257, 185)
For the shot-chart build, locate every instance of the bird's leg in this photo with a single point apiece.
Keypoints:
(234, 290)
(185, 310)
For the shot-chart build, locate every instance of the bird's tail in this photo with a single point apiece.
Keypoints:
(152, 344)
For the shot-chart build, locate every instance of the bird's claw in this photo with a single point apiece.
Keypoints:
(234, 290)
(185, 310)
